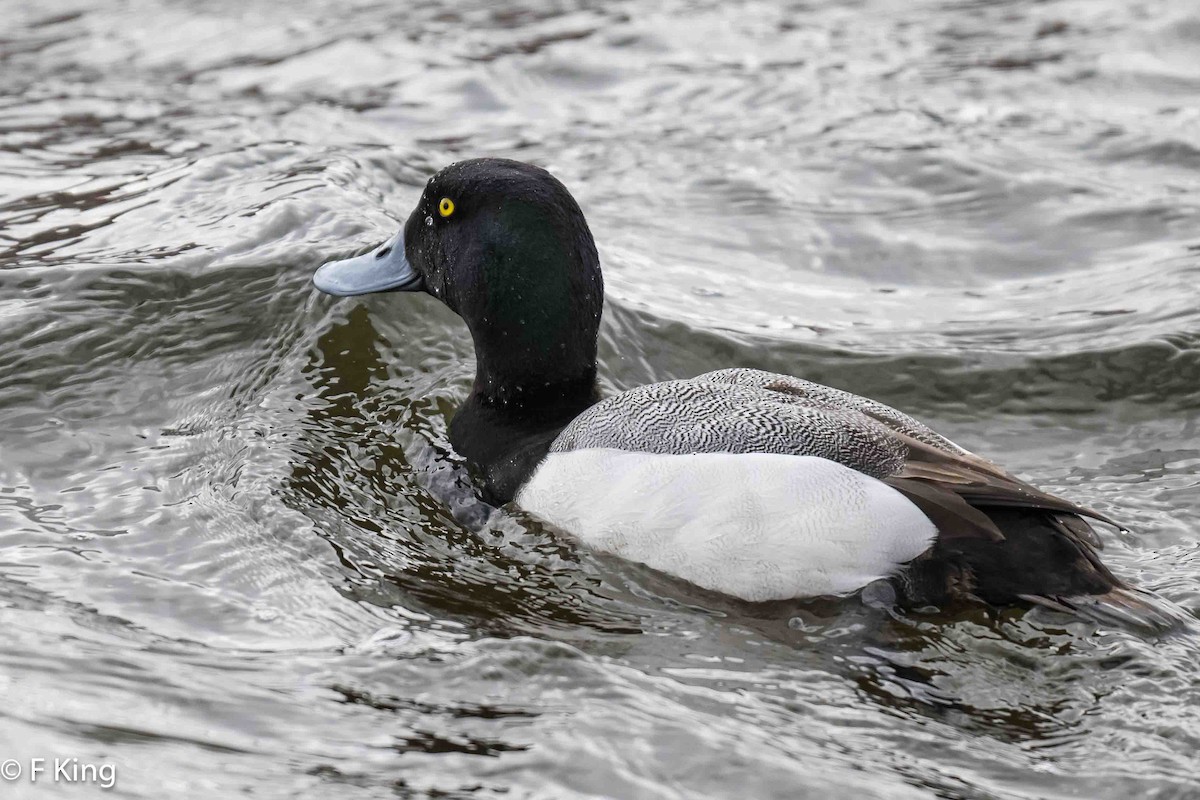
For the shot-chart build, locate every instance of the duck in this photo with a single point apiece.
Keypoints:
(755, 485)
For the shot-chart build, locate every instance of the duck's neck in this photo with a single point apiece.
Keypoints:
(512, 375)
(504, 430)
(520, 401)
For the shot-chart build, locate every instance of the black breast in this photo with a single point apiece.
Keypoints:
(504, 442)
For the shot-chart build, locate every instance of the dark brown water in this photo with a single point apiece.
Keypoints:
(237, 557)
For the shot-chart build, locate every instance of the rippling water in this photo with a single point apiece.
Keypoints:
(239, 557)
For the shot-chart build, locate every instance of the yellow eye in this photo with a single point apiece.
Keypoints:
(446, 207)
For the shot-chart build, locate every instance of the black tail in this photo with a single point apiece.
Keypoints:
(1047, 558)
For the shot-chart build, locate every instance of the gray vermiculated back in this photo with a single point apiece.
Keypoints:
(828, 397)
(748, 411)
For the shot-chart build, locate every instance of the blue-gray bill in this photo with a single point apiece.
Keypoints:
(384, 269)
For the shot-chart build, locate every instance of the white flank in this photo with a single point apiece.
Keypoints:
(759, 526)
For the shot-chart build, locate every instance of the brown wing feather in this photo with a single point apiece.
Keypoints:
(982, 483)
(953, 516)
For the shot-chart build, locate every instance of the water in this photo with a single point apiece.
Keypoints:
(240, 558)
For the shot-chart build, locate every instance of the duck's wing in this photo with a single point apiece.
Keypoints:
(1046, 554)
(752, 411)
(945, 480)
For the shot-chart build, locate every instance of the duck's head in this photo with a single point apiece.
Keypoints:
(504, 245)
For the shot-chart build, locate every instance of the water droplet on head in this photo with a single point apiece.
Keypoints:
(428, 222)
